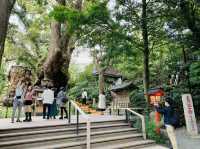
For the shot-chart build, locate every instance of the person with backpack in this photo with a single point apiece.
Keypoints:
(61, 101)
(18, 100)
(170, 120)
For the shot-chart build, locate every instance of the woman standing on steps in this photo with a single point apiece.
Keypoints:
(61, 101)
(102, 102)
(28, 100)
(18, 100)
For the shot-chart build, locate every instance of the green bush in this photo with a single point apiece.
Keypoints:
(135, 122)
(151, 133)
(137, 99)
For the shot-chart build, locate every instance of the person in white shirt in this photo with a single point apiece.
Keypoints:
(47, 98)
(84, 96)
(102, 102)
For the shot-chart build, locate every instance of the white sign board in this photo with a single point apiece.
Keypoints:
(190, 119)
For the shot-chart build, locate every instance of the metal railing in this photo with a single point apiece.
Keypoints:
(140, 116)
(142, 120)
(79, 111)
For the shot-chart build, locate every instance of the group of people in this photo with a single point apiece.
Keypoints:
(51, 99)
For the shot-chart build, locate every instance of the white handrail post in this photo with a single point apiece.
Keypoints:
(88, 134)
(75, 111)
(143, 128)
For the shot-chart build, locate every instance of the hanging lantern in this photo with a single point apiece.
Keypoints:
(155, 95)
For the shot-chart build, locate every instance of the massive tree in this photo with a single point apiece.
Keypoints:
(62, 44)
(80, 25)
(6, 7)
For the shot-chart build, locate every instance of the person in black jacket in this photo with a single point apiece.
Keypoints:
(169, 120)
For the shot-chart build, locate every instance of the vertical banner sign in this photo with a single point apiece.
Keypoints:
(189, 114)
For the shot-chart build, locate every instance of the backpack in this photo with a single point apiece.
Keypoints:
(175, 120)
(64, 99)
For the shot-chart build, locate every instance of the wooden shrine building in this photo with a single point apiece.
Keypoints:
(120, 95)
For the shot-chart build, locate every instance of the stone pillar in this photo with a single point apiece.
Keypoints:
(190, 119)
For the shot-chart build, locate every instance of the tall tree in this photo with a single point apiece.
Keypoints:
(6, 7)
(91, 26)
(61, 47)
(145, 49)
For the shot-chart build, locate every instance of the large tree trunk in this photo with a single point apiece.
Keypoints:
(54, 62)
(145, 51)
(101, 81)
(100, 70)
(57, 63)
(5, 11)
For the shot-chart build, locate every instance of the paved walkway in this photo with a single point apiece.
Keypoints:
(39, 121)
(185, 141)
(156, 147)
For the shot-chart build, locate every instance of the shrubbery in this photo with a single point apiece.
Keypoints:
(151, 133)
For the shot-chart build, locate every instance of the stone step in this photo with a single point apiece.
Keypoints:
(60, 132)
(94, 142)
(51, 141)
(120, 145)
(87, 109)
(110, 134)
(154, 147)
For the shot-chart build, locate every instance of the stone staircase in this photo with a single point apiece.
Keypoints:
(87, 109)
(115, 134)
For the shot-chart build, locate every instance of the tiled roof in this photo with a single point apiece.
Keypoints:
(124, 86)
(111, 72)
